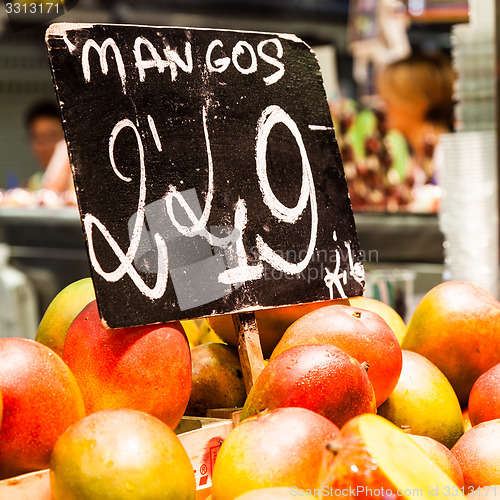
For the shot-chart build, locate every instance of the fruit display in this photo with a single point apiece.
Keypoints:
(477, 452)
(379, 165)
(282, 447)
(361, 333)
(216, 379)
(484, 397)
(386, 312)
(319, 377)
(199, 331)
(24, 197)
(41, 399)
(115, 452)
(61, 312)
(424, 402)
(457, 326)
(350, 404)
(442, 456)
(123, 368)
(372, 454)
(272, 323)
(466, 419)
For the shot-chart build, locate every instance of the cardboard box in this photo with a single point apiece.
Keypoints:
(201, 438)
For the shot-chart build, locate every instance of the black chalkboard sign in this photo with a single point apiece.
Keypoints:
(207, 172)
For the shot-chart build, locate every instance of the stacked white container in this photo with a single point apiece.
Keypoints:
(469, 175)
(18, 301)
(469, 208)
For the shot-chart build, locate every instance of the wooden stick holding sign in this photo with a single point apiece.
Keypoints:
(208, 176)
(249, 349)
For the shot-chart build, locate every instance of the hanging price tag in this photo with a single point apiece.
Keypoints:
(208, 176)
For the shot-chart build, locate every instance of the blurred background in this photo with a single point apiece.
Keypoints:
(412, 87)
(338, 30)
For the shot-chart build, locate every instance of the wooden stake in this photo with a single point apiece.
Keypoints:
(249, 349)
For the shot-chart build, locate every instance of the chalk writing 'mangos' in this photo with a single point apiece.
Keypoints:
(218, 58)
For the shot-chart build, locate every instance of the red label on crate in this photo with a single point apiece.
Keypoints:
(204, 472)
(214, 451)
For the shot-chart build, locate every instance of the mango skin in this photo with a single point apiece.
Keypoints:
(363, 334)
(484, 398)
(372, 453)
(61, 312)
(386, 312)
(272, 323)
(321, 378)
(217, 379)
(478, 456)
(146, 368)
(424, 401)
(120, 453)
(442, 456)
(282, 447)
(41, 399)
(456, 325)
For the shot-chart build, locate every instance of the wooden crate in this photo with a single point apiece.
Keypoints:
(201, 438)
(202, 446)
(32, 486)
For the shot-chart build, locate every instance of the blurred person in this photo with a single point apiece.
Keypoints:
(46, 137)
(417, 93)
(378, 36)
